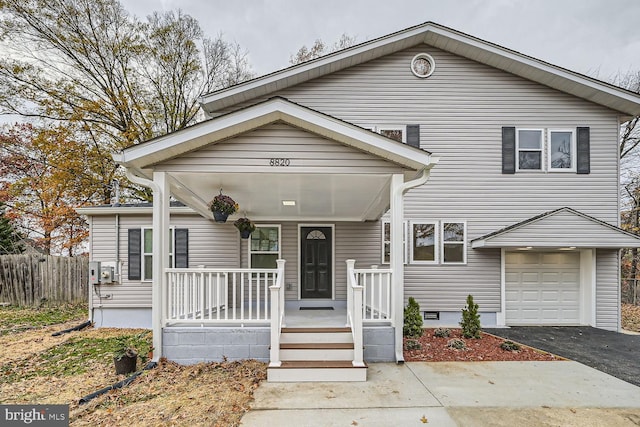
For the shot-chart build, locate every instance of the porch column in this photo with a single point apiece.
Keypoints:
(160, 256)
(397, 262)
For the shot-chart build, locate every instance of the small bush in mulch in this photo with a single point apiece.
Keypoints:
(412, 345)
(457, 344)
(412, 320)
(510, 346)
(471, 320)
(442, 332)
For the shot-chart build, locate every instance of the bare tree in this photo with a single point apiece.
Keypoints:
(319, 49)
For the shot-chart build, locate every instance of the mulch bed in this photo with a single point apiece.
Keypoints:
(485, 349)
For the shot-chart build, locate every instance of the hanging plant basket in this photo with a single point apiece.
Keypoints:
(222, 206)
(245, 226)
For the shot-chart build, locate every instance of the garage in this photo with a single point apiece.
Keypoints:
(542, 288)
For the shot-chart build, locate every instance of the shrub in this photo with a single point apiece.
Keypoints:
(510, 346)
(412, 320)
(470, 320)
(442, 333)
(457, 344)
(412, 345)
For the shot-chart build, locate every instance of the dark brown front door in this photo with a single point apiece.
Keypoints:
(316, 262)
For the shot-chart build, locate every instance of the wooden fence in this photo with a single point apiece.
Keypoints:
(33, 280)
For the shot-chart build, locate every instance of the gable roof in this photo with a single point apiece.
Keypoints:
(276, 109)
(444, 38)
(564, 227)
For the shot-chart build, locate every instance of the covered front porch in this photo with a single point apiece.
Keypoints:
(293, 169)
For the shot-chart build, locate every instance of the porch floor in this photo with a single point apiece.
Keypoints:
(296, 318)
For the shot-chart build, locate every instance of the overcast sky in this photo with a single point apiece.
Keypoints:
(595, 37)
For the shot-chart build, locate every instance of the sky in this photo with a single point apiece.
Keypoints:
(595, 37)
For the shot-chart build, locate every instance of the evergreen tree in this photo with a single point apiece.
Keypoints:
(412, 320)
(10, 239)
(470, 320)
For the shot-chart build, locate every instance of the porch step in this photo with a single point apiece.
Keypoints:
(316, 351)
(316, 354)
(316, 335)
(317, 371)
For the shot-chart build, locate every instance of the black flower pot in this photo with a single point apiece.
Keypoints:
(244, 234)
(220, 216)
(125, 364)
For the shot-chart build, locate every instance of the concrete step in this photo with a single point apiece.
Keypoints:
(316, 335)
(317, 371)
(316, 351)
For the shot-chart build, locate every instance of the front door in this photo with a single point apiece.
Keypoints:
(316, 262)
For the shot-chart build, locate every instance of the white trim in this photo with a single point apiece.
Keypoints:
(587, 287)
(501, 316)
(333, 260)
(574, 148)
(542, 146)
(249, 251)
(463, 242)
(112, 210)
(436, 236)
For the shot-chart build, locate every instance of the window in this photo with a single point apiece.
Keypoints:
(140, 257)
(397, 133)
(386, 241)
(529, 149)
(424, 236)
(453, 243)
(562, 151)
(264, 249)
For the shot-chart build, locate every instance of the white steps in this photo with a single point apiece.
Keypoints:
(316, 354)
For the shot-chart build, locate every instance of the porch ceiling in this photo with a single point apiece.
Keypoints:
(317, 197)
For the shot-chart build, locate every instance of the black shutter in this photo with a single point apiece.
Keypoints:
(583, 158)
(508, 150)
(181, 246)
(135, 256)
(413, 135)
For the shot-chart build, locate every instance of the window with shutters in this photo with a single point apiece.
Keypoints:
(561, 150)
(529, 149)
(140, 258)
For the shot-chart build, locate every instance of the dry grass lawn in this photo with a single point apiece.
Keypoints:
(631, 317)
(39, 368)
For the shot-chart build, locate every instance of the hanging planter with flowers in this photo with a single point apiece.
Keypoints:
(222, 206)
(245, 226)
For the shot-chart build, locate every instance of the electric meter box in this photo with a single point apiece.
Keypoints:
(106, 274)
(94, 272)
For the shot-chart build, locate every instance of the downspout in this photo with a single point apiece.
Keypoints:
(156, 325)
(399, 273)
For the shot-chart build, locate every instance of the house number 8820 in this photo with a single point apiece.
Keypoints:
(279, 162)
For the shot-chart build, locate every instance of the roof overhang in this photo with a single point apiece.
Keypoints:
(563, 228)
(444, 38)
(276, 109)
(130, 210)
(337, 193)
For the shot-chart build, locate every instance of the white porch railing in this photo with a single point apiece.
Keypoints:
(376, 293)
(213, 296)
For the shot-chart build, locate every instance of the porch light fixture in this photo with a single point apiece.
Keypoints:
(288, 203)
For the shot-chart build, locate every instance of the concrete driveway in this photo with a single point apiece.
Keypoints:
(607, 351)
(454, 393)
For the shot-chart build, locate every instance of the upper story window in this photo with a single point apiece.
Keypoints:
(529, 148)
(397, 133)
(562, 148)
(546, 150)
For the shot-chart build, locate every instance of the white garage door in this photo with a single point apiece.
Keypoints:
(542, 288)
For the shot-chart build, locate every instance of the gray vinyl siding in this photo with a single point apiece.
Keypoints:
(255, 149)
(461, 109)
(607, 289)
(210, 244)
